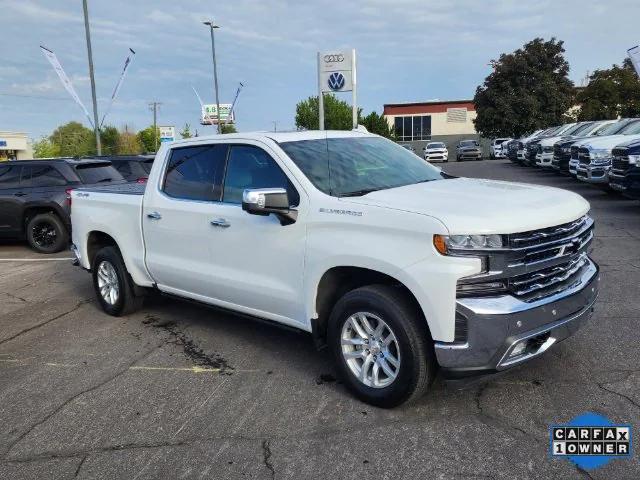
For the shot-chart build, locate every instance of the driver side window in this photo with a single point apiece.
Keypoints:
(252, 167)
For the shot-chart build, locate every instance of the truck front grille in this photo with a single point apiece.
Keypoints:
(538, 263)
(574, 152)
(620, 163)
(583, 156)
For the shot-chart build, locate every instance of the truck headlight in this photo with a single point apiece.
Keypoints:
(634, 159)
(450, 244)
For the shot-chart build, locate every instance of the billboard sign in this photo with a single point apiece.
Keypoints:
(209, 114)
(167, 134)
(336, 71)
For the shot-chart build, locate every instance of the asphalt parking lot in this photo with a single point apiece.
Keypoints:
(182, 391)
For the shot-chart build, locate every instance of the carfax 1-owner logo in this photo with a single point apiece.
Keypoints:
(590, 441)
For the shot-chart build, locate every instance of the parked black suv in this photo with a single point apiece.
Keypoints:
(35, 197)
(624, 175)
(133, 168)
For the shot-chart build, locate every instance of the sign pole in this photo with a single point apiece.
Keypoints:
(320, 98)
(353, 91)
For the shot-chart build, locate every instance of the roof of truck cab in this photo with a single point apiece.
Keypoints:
(278, 137)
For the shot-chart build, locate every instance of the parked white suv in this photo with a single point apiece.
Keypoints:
(436, 151)
(496, 148)
(400, 269)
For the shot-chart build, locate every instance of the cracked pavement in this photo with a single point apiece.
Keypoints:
(182, 391)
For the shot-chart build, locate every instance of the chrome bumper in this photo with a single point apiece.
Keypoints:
(497, 326)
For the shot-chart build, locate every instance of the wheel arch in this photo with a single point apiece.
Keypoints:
(31, 211)
(96, 240)
(336, 282)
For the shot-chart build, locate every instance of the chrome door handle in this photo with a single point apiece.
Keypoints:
(154, 216)
(220, 222)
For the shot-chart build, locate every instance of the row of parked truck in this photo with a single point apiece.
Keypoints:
(604, 153)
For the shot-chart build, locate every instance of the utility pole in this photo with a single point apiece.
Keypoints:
(212, 26)
(153, 106)
(96, 125)
(275, 126)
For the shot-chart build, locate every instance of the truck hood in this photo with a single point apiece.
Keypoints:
(608, 141)
(549, 141)
(476, 206)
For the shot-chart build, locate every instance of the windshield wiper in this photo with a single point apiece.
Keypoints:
(358, 193)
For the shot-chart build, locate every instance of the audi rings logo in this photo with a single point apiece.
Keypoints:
(336, 81)
(334, 58)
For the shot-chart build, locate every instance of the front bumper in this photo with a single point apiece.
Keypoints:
(593, 173)
(628, 184)
(497, 325)
(470, 155)
(436, 156)
(573, 165)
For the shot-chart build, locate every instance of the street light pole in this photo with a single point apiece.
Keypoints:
(96, 125)
(215, 70)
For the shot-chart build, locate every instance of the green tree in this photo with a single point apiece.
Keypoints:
(228, 128)
(338, 114)
(148, 139)
(74, 139)
(611, 93)
(45, 148)
(528, 89)
(377, 124)
(109, 138)
(186, 131)
(128, 142)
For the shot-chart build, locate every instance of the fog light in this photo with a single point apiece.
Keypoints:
(518, 349)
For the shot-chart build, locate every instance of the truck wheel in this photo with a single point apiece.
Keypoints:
(46, 233)
(381, 346)
(113, 284)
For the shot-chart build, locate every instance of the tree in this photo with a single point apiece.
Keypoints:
(109, 137)
(228, 128)
(338, 114)
(527, 90)
(128, 143)
(45, 148)
(186, 131)
(148, 139)
(611, 93)
(74, 140)
(377, 124)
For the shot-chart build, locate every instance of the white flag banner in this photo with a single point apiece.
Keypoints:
(127, 62)
(53, 60)
(634, 55)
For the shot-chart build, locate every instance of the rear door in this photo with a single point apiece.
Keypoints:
(11, 200)
(176, 220)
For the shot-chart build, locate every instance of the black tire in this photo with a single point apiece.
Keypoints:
(47, 234)
(418, 364)
(127, 301)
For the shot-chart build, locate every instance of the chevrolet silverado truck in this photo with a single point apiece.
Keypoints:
(398, 268)
(624, 176)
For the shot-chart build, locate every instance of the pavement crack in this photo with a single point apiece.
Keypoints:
(121, 371)
(80, 465)
(15, 297)
(622, 395)
(27, 330)
(266, 457)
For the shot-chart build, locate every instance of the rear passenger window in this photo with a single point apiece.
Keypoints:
(252, 167)
(10, 176)
(42, 176)
(195, 173)
(123, 167)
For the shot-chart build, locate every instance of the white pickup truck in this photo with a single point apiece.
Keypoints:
(401, 270)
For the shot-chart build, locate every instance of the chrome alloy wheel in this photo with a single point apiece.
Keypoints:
(370, 349)
(108, 283)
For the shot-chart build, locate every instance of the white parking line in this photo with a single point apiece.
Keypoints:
(66, 259)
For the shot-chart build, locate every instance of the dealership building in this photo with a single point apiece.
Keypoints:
(444, 121)
(14, 146)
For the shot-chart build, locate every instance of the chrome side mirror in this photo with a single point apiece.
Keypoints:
(264, 201)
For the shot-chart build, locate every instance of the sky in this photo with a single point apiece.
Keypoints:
(407, 50)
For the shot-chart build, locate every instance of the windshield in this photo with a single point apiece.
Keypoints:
(98, 173)
(435, 145)
(354, 166)
(468, 143)
(630, 129)
(580, 128)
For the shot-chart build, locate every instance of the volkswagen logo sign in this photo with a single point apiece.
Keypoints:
(336, 81)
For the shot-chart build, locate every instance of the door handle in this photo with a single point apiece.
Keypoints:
(154, 216)
(20, 194)
(220, 222)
